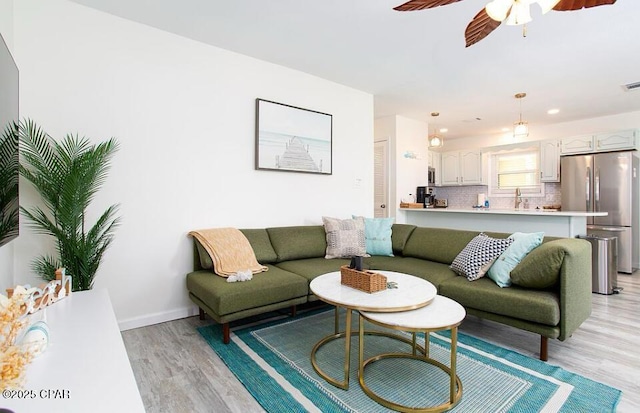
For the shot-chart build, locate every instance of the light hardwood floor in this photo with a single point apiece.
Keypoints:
(177, 371)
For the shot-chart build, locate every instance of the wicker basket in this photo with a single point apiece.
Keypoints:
(367, 281)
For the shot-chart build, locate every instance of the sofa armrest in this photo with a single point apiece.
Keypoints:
(575, 286)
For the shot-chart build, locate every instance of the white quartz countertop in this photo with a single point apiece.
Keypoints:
(508, 212)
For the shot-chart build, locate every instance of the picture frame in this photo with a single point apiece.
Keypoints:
(293, 139)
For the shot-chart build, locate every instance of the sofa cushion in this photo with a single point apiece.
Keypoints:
(523, 244)
(294, 243)
(345, 237)
(541, 267)
(474, 259)
(266, 288)
(400, 233)
(437, 244)
(537, 306)
(310, 268)
(433, 272)
(259, 240)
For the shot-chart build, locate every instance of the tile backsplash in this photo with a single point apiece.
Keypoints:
(466, 196)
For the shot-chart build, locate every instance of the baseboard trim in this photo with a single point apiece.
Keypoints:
(157, 318)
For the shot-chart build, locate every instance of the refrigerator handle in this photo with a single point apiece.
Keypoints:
(596, 190)
(588, 190)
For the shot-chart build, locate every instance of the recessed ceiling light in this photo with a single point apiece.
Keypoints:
(444, 130)
(505, 129)
(553, 111)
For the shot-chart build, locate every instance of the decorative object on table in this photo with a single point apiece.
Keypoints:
(367, 281)
(356, 263)
(68, 175)
(511, 12)
(14, 357)
(293, 139)
(493, 376)
(37, 298)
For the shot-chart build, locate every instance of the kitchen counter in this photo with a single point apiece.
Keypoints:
(553, 223)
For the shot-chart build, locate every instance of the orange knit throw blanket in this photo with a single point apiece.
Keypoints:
(229, 250)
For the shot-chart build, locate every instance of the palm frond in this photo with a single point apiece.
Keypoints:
(68, 174)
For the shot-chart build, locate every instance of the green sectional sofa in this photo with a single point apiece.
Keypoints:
(295, 255)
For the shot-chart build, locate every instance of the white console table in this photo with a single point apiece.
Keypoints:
(85, 368)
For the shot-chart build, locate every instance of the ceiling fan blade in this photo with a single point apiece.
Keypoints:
(568, 5)
(413, 5)
(479, 28)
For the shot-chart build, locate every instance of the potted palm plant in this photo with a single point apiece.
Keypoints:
(67, 175)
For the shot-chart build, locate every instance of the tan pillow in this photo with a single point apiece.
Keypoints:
(345, 237)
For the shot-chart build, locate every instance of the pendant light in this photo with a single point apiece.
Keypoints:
(520, 128)
(435, 140)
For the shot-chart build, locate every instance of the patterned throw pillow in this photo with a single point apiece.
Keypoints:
(476, 258)
(345, 237)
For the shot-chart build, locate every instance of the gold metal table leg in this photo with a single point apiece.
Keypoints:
(455, 385)
(344, 384)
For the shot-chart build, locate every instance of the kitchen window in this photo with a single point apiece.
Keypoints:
(516, 169)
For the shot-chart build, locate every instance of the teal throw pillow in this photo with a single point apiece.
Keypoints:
(377, 236)
(523, 243)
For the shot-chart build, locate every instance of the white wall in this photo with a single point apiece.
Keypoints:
(184, 114)
(409, 165)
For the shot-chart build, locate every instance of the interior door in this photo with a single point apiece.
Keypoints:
(381, 179)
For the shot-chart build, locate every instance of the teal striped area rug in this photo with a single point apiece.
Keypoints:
(273, 362)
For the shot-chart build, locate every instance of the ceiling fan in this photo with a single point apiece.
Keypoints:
(512, 12)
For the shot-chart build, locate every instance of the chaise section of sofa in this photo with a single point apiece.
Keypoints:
(295, 256)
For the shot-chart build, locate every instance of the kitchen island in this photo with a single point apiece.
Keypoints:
(554, 223)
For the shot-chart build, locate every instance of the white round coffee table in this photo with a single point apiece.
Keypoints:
(441, 314)
(411, 293)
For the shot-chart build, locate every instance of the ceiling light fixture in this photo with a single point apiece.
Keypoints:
(520, 128)
(435, 140)
(553, 111)
(516, 12)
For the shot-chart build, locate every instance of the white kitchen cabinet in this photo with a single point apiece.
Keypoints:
(461, 168)
(577, 144)
(616, 141)
(602, 142)
(449, 167)
(550, 161)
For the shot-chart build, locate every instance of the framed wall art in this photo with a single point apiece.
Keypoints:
(292, 139)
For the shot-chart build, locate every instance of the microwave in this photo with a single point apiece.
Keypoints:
(431, 178)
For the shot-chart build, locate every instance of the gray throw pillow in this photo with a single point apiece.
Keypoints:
(345, 237)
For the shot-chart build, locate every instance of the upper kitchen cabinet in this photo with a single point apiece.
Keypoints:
(576, 144)
(616, 141)
(603, 142)
(461, 168)
(550, 161)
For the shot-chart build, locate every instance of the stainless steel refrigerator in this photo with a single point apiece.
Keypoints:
(605, 182)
